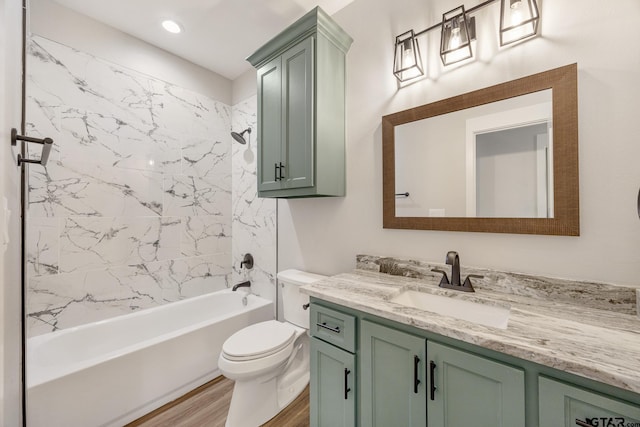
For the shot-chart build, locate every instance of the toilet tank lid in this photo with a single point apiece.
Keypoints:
(298, 277)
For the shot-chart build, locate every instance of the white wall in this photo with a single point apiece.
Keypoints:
(324, 235)
(56, 22)
(10, 106)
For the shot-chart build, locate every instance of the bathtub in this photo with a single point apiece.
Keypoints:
(114, 371)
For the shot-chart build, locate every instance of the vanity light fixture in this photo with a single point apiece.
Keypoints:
(407, 62)
(518, 20)
(456, 35)
(172, 26)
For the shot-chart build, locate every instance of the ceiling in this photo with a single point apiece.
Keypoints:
(217, 35)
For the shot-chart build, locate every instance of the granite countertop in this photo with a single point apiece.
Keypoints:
(601, 343)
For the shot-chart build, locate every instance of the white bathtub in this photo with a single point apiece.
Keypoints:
(112, 372)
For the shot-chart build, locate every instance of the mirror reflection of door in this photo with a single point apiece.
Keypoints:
(512, 170)
(509, 164)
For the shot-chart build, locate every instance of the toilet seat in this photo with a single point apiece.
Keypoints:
(258, 341)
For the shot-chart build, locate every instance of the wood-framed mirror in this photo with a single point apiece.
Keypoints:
(503, 159)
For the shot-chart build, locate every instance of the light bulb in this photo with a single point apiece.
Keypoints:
(408, 59)
(516, 12)
(454, 41)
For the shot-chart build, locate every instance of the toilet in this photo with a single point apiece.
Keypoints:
(269, 361)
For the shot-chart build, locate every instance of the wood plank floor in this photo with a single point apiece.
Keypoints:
(207, 406)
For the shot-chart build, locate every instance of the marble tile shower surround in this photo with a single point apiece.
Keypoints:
(134, 207)
(599, 296)
(254, 219)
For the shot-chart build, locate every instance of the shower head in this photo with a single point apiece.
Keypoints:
(240, 136)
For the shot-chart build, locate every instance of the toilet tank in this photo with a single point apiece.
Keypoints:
(292, 300)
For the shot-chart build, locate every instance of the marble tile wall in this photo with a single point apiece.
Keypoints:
(254, 219)
(134, 208)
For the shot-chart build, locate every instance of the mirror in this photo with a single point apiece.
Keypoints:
(503, 159)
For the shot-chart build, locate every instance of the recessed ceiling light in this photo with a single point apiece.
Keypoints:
(171, 26)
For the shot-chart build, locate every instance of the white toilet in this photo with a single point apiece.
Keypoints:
(269, 361)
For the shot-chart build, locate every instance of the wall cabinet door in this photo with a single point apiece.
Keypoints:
(269, 124)
(297, 92)
(470, 390)
(563, 405)
(286, 113)
(333, 386)
(392, 377)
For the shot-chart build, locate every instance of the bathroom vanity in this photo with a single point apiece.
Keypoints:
(567, 354)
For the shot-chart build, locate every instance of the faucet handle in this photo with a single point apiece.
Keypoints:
(467, 281)
(445, 279)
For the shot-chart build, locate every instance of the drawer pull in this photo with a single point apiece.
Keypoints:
(275, 173)
(346, 383)
(324, 325)
(281, 169)
(416, 381)
(432, 372)
(582, 423)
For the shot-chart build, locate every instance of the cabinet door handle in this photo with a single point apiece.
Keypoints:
(324, 325)
(432, 372)
(281, 169)
(582, 423)
(416, 381)
(276, 175)
(346, 383)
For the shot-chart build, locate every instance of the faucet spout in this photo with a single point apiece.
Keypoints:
(241, 285)
(454, 261)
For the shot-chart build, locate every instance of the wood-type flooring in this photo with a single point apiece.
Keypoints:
(207, 406)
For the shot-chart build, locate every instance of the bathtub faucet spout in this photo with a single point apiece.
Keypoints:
(241, 285)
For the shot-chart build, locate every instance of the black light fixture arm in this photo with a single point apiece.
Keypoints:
(469, 12)
(46, 143)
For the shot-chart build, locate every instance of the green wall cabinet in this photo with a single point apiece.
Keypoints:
(333, 386)
(392, 377)
(470, 390)
(563, 405)
(301, 109)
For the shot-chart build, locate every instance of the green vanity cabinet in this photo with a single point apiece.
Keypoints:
(564, 405)
(392, 377)
(470, 390)
(406, 376)
(333, 384)
(301, 109)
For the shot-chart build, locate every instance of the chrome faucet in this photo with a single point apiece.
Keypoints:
(453, 259)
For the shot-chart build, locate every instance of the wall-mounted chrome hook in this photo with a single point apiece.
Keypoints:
(46, 143)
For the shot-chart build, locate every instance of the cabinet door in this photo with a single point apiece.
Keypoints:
(563, 405)
(269, 125)
(471, 390)
(333, 386)
(393, 380)
(297, 92)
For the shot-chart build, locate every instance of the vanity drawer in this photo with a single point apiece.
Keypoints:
(334, 327)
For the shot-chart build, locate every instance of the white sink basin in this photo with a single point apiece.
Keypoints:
(488, 315)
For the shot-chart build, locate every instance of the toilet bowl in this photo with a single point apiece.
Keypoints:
(269, 361)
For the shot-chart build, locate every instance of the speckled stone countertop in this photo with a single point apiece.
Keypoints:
(587, 329)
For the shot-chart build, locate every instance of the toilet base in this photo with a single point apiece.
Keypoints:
(256, 401)
(254, 404)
